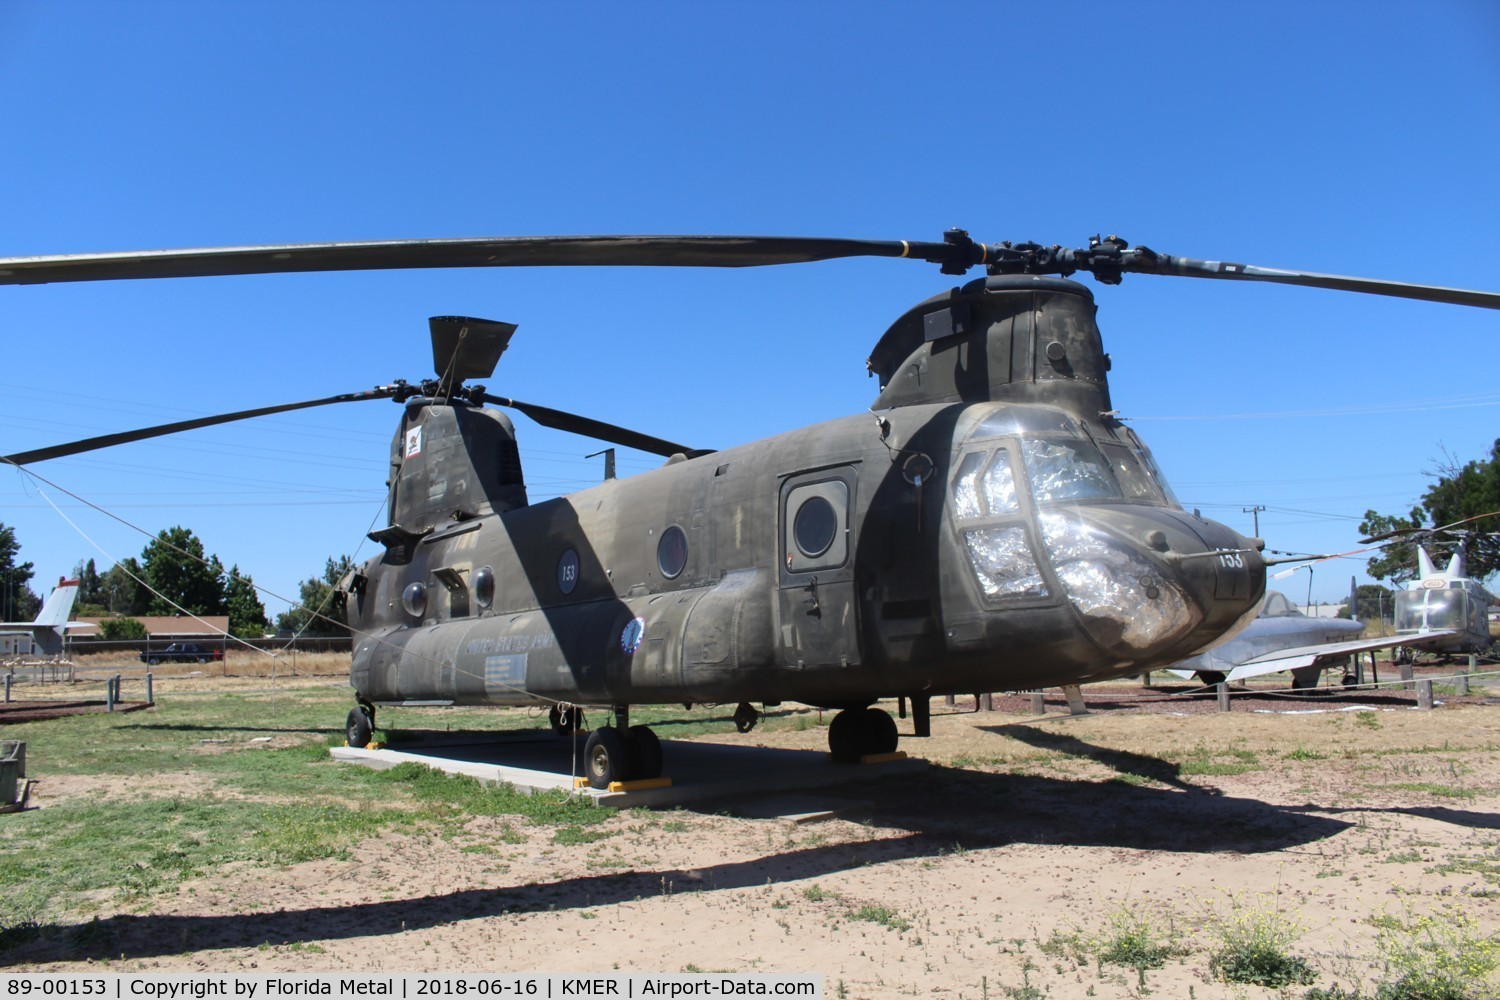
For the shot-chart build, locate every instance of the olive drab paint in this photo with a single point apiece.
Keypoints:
(826, 565)
(987, 525)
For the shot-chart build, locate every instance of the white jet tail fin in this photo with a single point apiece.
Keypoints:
(59, 605)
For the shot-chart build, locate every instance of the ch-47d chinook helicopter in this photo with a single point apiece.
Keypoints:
(988, 525)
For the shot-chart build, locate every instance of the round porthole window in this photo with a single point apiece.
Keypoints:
(484, 587)
(567, 571)
(672, 552)
(815, 525)
(414, 599)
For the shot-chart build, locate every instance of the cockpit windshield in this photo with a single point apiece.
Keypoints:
(1062, 469)
(1425, 609)
(1276, 605)
(1063, 461)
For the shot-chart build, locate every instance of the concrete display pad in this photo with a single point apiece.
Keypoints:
(699, 771)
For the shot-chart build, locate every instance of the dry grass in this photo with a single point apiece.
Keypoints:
(239, 663)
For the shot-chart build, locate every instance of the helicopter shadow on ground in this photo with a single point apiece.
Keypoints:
(927, 815)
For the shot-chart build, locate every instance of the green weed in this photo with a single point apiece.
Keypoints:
(1435, 956)
(1132, 938)
(882, 915)
(1254, 938)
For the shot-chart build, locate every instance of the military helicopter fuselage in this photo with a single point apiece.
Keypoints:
(988, 525)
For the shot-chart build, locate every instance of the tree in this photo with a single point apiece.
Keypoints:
(319, 613)
(247, 615)
(123, 595)
(1396, 562)
(121, 628)
(17, 600)
(1470, 493)
(1375, 603)
(181, 577)
(92, 602)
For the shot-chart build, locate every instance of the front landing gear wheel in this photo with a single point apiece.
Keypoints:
(565, 720)
(745, 717)
(604, 757)
(358, 727)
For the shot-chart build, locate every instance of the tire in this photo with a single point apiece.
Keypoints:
(358, 728)
(604, 757)
(745, 717)
(1211, 677)
(846, 737)
(880, 730)
(153, 661)
(644, 750)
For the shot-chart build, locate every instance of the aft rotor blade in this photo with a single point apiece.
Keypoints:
(563, 421)
(1193, 268)
(160, 430)
(640, 251)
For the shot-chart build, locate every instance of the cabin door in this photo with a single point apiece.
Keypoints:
(818, 608)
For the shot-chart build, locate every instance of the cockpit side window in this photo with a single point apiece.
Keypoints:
(1149, 461)
(1132, 476)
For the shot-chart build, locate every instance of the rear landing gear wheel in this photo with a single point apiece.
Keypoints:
(358, 727)
(745, 717)
(881, 729)
(604, 757)
(844, 736)
(644, 751)
(565, 720)
(859, 732)
(1210, 678)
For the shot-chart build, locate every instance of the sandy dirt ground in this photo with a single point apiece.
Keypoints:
(995, 873)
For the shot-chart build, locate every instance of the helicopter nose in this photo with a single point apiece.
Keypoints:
(1129, 603)
(1152, 587)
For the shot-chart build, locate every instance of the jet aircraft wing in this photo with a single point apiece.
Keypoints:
(1311, 656)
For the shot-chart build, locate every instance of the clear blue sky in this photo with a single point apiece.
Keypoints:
(1338, 137)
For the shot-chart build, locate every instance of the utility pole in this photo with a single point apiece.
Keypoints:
(1255, 512)
(609, 461)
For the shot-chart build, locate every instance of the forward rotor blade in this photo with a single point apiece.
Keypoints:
(560, 420)
(125, 437)
(1107, 260)
(1193, 268)
(641, 251)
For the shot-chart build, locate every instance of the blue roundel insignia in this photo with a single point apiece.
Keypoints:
(630, 638)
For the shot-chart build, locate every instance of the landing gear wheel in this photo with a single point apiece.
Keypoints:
(846, 735)
(1349, 680)
(565, 721)
(644, 751)
(745, 717)
(358, 727)
(881, 731)
(1211, 678)
(604, 757)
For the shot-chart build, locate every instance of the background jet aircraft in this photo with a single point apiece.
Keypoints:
(1444, 612)
(51, 623)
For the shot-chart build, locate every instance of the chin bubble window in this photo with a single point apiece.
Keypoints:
(484, 587)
